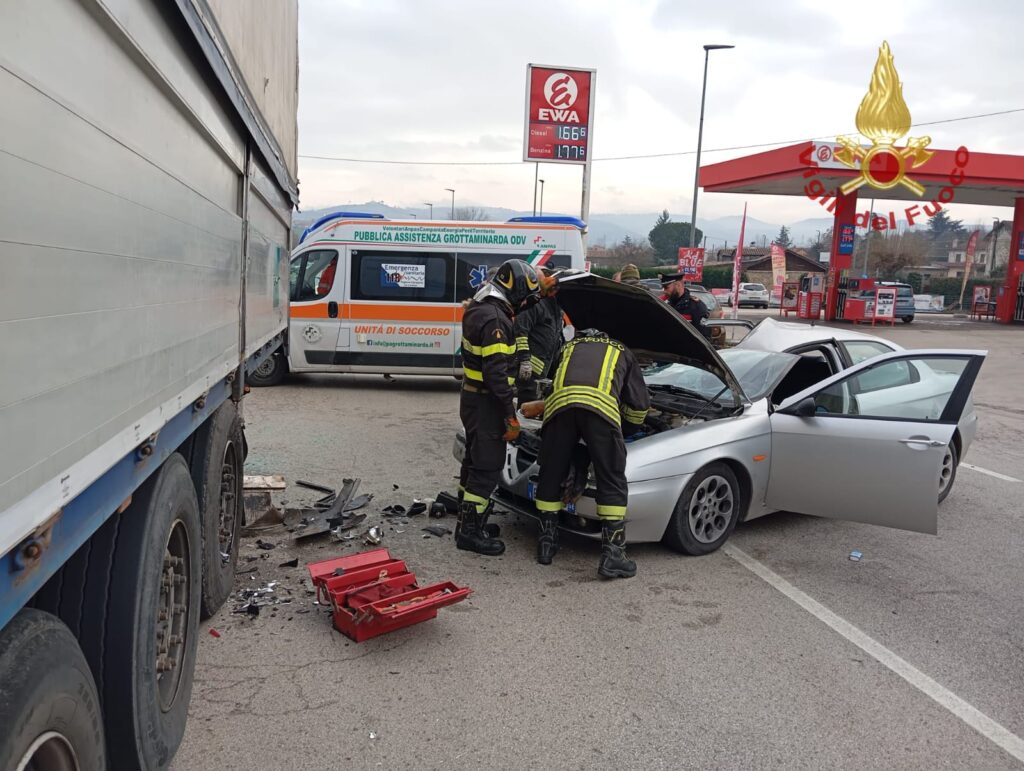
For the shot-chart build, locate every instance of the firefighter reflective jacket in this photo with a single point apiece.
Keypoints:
(539, 334)
(488, 353)
(601, 375)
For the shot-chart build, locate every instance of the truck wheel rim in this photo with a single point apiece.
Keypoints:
(51, 751)
(266, 368)
(228, 501)
(711, 509)
(946, 472)
(172, 616)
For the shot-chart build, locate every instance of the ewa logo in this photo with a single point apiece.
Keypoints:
(824, 154)
(561, 92)
(537, 241)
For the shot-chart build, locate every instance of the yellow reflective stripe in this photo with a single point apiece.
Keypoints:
(522, 344)
(588, 392)
(560, 377)
(610, 512)
(511, 381)
(468, 346)
(583, 396)
(476, 500)
(493, 348)
(555, 506)
(473, 374)
(634, 416)
(536, 364)
(611, 358)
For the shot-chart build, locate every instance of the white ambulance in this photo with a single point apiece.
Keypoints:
(374, 295)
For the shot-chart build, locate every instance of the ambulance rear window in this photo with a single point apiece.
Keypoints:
(403, 276)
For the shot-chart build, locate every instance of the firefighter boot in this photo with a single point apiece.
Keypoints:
(469, 533)
(490, 528)
(547, 541)
(614, 563)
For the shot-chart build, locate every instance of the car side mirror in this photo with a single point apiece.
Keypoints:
(805, 408)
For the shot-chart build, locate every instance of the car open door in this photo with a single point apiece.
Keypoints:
(866, 445)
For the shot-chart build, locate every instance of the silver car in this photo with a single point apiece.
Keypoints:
(854, 433)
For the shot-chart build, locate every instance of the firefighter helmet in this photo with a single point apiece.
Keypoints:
(518, 283)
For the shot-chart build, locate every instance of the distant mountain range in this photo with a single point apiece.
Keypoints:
(608, 229)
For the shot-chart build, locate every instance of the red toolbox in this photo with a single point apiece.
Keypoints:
(372, 593)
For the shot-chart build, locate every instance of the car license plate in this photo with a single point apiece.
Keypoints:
(531, 490)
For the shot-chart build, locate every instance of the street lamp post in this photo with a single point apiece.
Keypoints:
(448, 189)
(431, 207)
(541, 209)
(700, 136)
(413, 216)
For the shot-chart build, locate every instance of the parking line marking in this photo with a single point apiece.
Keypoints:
(995, 474)
(976, 719)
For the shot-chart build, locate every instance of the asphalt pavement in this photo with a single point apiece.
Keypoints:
(776, 651)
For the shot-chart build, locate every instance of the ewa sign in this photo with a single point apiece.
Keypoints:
(559, 106)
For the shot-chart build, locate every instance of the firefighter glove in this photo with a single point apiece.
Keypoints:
(525, 371)
(511, 430)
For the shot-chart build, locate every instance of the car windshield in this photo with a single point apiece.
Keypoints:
(758, 372)
(754, 287)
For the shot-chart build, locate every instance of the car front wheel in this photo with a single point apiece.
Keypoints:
(707, 511)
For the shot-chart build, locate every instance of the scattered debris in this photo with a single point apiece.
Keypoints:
(374, 535)
(449, 501)
(292, 563)
(315, 486)
(264, 482)
(247, 570)
(214, 632)
(396, 510)
(359, 501)
(438, 510)
(265, 545)
(438, 530)
(417, 508)
(373, 734)
(856, 556)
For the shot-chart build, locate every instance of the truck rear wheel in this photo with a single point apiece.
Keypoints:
(271, 371)
(131, 596)
(217, 470)
(49, 707)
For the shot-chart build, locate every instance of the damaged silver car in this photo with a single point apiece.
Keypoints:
(740, 433)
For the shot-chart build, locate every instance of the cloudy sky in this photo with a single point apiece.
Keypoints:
(443, 80)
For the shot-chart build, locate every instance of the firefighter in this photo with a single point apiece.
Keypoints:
(486, 404)
(598, 395)
(677, 294)
(538, 339)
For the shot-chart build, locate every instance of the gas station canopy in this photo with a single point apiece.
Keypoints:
(986, 178)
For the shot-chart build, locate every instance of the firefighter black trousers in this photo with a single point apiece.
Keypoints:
(483, 418)
(607, 452)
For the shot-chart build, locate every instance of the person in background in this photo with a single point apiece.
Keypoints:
(630, 274)
(538, 332)
(677, 294)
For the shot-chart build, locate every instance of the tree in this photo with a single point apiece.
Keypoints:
(471, 214)
(821, 243)
(890, 252)
(783, 239)
(630, 251)
(941, 225)
(667, 237)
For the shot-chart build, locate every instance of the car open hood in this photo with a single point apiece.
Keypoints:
(639, 320)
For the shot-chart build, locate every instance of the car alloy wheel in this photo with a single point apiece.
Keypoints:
(711, 509)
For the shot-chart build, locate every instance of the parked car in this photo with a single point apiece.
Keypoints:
(852, 432)
(715, 310)
(904, 299)
(754, 295)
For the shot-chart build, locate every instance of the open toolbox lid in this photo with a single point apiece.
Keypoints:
(371, 593)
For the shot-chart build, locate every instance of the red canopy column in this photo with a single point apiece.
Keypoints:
(846, 214)
(1009, 301)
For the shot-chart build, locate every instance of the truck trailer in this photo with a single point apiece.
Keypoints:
(148, 159)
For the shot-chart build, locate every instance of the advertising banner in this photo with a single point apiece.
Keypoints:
(778, 272)
(737, 266)
(790, 290)
(691, 263)
(885, 303)
(559, 113)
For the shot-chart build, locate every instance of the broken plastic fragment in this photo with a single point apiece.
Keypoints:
(437, 510)
(374, 535)
(214, 633)
(438, 530)
(855, 556)
(373, 734)
(265, 545)
(417, 508)
(292, 563)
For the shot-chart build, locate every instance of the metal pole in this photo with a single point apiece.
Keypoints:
(585, 202)
(867, 238)
(541, 198)
(700, 139)
(536, 173)
(453, 204)
(431, 207)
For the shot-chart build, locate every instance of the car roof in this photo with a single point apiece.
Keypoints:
(772, 335)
